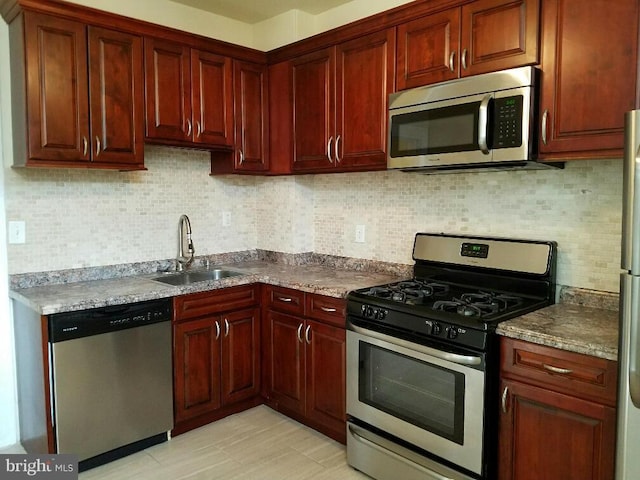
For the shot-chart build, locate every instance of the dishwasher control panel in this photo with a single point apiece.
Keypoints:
(84, 323)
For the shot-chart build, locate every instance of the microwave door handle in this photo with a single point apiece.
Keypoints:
(483, 124)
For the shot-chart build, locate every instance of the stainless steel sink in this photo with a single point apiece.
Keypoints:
(186, 278)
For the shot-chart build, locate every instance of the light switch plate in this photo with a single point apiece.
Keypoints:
(17, 233)
(360, 233)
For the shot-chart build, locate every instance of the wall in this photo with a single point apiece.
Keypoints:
(78, 218)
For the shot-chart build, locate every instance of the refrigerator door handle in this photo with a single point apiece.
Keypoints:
(630, 190)
(630, 312)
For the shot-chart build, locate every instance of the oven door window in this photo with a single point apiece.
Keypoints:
(426, 395)
(440, 130)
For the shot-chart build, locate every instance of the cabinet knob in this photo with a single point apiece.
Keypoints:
(217, 330)
(328, 309)
(464, 59)
(85, 146)
(329, 149)
(226, 327)
(545, 117)
(198, 129)
(98, 146)
(337, 149)
(188, 127)
(561, 371)
(285, 299)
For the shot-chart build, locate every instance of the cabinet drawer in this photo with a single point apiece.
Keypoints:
(330, 310)
(576, 374)
(284, 299)
(215, 301)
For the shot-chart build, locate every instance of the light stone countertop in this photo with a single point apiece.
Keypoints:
(570, 326)
(66, 297)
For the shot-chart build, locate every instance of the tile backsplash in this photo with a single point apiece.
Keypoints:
(79, 218)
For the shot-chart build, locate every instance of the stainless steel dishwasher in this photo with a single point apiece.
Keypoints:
(111, 380)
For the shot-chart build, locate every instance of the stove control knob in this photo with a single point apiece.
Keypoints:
(383, 314)
(369, 312)
(452, 332)
(436, 329)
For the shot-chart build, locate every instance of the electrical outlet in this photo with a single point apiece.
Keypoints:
(226, 219)
(360, 233)
(17, 232)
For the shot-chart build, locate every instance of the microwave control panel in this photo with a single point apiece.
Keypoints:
(507, 122)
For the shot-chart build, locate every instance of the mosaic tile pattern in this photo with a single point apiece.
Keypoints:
(78, 218)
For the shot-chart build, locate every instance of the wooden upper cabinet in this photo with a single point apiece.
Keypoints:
(168, 85)
(365, 76)
(251, 109)
(479, 37)
(340, 105)
(428, 49)
(83, 94)
(189, 95)
(212, 95)
(589, 76)
(313, 107)
(115, 83)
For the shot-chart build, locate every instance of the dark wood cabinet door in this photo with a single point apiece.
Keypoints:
(365, 76)
(212, 101)
(546, 435)
(326, 380)
(251, 107)
(240, 355)
(286, 360)
(589, 63)
(56, 81)
(313, 111)
(428, 49)
(116, 97)
(196, 367)
(168, 90)
(498, 34)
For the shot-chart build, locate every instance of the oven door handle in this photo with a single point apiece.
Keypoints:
(400, 458)
(434, 352)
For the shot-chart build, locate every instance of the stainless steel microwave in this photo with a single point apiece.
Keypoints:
(483, 122)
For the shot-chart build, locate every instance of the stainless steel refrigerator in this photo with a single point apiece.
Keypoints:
(628, 439)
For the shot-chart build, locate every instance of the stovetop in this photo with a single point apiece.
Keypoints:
(462, 287)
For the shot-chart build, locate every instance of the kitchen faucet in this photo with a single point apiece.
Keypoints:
(184, 262)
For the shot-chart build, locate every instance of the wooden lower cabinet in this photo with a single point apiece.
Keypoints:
(304, 364)
(216, 359)
(559, 429)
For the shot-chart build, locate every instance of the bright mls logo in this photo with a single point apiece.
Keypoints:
(50, 467)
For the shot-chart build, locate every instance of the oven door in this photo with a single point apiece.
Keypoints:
(430, 398)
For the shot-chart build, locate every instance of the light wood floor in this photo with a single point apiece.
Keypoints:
(258, 444)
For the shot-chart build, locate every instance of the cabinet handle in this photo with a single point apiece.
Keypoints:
(307, 334)
(198, 129)
(562, 371)
(464, 59)
(452, 57)
(545, 116)
(226, 327)
(217, 330)
(85, 146)
(337, 149)
(285, 299)
(97, 145)
(328, 309)
(329, 149)
(241, 156)
(300, 333)
(188, 127)
(505, 392)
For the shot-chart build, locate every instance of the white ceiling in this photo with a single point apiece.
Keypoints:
(254, 11)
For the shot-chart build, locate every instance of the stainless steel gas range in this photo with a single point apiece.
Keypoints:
(423, 356)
